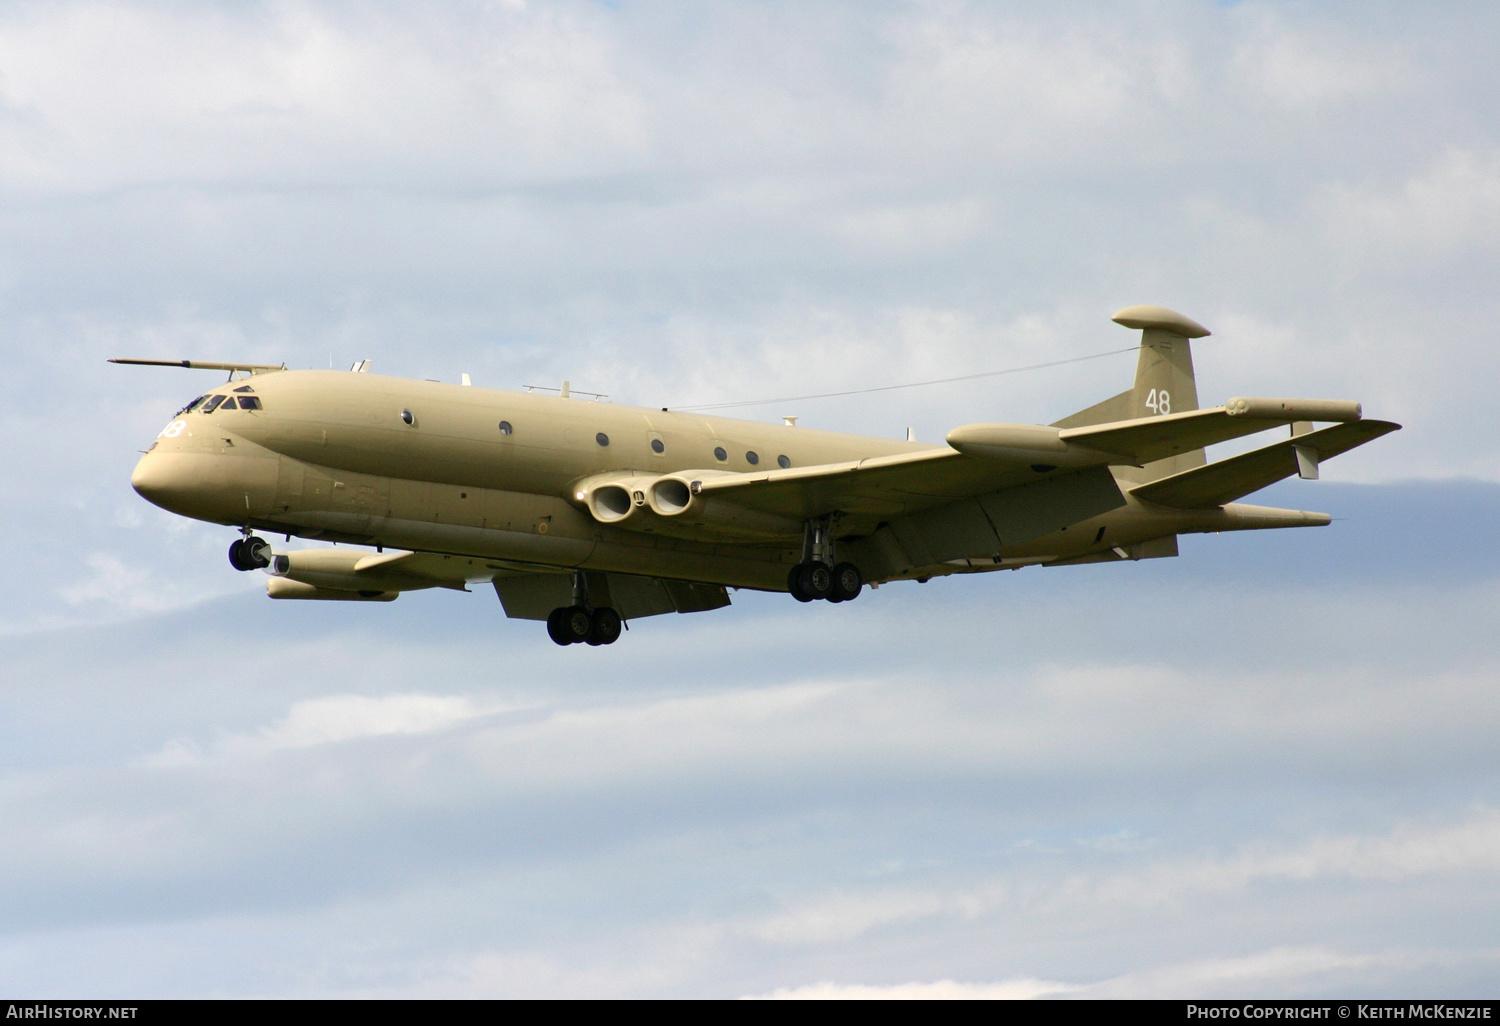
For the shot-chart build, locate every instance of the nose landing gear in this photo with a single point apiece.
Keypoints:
(250, 553)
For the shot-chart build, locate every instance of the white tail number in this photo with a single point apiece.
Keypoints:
(1159, 402)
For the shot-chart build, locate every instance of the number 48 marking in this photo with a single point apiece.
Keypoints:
(1158, 401)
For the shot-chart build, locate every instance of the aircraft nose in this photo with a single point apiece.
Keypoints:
(162, 480)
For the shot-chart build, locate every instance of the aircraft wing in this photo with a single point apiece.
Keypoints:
(1228, 480)
(882, 486)
(987, 458)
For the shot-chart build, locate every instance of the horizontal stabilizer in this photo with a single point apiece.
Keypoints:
(1227, 480)
(1147, 439)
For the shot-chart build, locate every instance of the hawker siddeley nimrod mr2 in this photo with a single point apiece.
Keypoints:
(586, 514)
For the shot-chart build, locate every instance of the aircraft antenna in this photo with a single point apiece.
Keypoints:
(910, 384)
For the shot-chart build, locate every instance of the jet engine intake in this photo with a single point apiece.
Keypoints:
(614, 498)
(671, 504)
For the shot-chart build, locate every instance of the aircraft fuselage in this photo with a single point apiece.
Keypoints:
(491, 474)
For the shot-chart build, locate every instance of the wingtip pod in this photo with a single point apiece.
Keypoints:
(1240, 516)
(1335, 410)
(1160, 319)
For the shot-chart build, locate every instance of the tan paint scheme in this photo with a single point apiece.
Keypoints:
(331, 455)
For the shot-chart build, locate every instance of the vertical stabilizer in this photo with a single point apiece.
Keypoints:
(1164, 380)
(1164, 384)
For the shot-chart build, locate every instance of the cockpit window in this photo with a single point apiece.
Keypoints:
(213, 403)
(190, 407)
(249, 402)
(244, 388)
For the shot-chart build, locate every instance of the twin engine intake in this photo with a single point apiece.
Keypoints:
(668, 503)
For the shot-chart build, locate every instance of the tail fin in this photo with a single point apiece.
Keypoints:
(1164, 382)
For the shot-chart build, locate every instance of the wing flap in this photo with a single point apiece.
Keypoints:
(533, 596)
(1228, 480)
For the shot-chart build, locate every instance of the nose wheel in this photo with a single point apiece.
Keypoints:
(250, 553)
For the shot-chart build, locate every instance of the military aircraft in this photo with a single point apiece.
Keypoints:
(587, 514)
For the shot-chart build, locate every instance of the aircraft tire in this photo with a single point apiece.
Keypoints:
(557, 626)
(604, 626)
(847, 583)
(577, 624)
(794, 584)
(236, 554)
(817, 580)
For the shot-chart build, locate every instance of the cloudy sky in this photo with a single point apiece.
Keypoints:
(1267, 767)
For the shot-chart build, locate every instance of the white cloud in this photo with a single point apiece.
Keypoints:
(334, 719)
(136, 589)
(1273, 973)
(1308, 66)
(1407, 851)
(1448, 209)
(1410, 850)
(250, 95)
(942, 990)
(1287, 971)
(842, 917)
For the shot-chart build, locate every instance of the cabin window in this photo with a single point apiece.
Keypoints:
(505, 427)
(249, 402)
(657, 446)
(783, 462)
(720, 454)
(602, 438)
(752, 458)
(213, 403)
(407, 418)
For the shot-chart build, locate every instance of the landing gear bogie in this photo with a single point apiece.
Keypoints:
(812, 579)
(572, 625)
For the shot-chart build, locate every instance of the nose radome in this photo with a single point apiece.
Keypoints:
(180, 482)
(153, 480)
(206, 486)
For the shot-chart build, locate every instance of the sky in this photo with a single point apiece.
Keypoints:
(1263, 768)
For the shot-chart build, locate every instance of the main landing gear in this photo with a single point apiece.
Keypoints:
(569, 625)
(818, 576)
(250, 553)
(841, 582)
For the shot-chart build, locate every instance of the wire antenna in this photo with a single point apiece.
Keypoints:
(910, 384)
